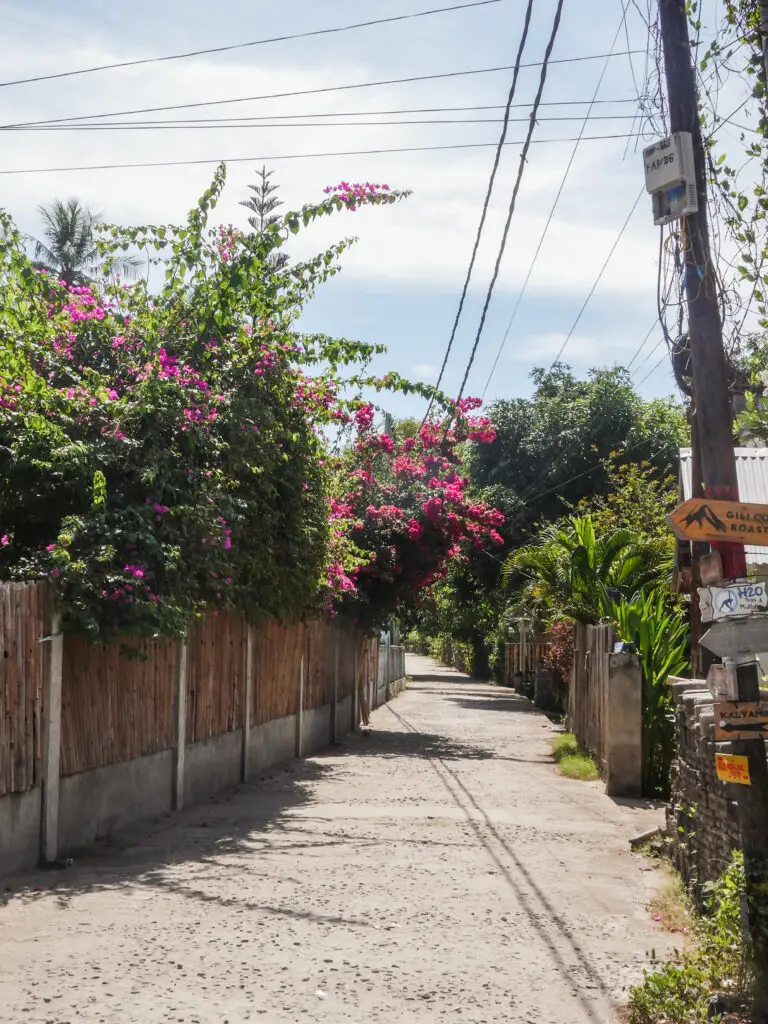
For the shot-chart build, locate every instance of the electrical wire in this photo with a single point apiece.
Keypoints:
(653, 369)
(222, 124)
(643, 343)
(555, 203)
(594, 469)
(244, 46)
(303, 92)
(513, 201)
(292, 156)
(486, 201)
(347, 113)
(599, 277)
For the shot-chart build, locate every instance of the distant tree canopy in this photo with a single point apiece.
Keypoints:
(558, 447)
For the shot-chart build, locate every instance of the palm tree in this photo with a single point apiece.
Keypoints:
(69, 249)
(579, 574)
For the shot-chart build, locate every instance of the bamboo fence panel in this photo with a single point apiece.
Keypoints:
(23, 664)
(277, 653)
(117, 702)
(319, 663)
(349, 643)
(215, 675)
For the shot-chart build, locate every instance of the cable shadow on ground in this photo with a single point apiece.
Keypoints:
(522, 896)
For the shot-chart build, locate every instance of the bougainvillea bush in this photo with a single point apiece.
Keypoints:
(162, 453)
(405, 507)
(166, 452)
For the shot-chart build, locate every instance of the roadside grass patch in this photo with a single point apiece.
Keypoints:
(571, 760)
(671, 908)
(579, 766)
(564, 745)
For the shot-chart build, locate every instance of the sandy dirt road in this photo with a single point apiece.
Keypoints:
(437, 871)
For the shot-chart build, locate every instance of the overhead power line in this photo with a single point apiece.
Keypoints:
(643, 343)
(599, 277)
(588, 472)
(259, 158)
(246, 123)
(333, 113)
(653, 370)
(563, 181)
(301, 92)
(515, 190)
(487, 200)
(243, 46)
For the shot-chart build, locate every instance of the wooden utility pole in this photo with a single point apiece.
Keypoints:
(716, 457)
(764, 34)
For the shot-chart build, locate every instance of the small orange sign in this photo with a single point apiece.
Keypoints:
(709, 519)
(733, 768)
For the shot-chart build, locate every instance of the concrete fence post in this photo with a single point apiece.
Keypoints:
(356, 693)
(624, 726)
(300, 711)
(335, 701)
(247, 706)
(49, 832)
(181, 728)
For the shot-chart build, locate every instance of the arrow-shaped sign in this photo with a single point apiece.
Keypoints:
(736, 638)
(706, 519)
(741, 720)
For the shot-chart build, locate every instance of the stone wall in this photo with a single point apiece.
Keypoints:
(701, 814)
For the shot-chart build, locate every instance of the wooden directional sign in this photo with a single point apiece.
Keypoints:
(733, 768)
(737, 638)
(740, 598)
(707, 520)
(741, 720)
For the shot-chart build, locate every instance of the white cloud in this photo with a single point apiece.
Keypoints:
(425, 371)
(425, 240)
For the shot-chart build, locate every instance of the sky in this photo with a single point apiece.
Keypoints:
(402, 280)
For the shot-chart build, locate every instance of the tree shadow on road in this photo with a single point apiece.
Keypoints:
(388, 743)
(239, 822)
(501, 703)
(450, 677)
(177, 852)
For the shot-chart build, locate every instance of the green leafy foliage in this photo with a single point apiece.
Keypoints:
(636, 498)
(720, 963)
(573, 571)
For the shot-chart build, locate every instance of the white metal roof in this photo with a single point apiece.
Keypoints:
(752, 474)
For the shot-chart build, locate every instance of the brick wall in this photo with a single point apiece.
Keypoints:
(701, 815)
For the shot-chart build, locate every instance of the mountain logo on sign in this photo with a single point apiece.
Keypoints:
(704, 514)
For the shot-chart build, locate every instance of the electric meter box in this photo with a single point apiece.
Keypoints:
(670, 177)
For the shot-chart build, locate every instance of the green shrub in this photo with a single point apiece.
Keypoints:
(676, 994)
(579, 766)
(564, 745)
